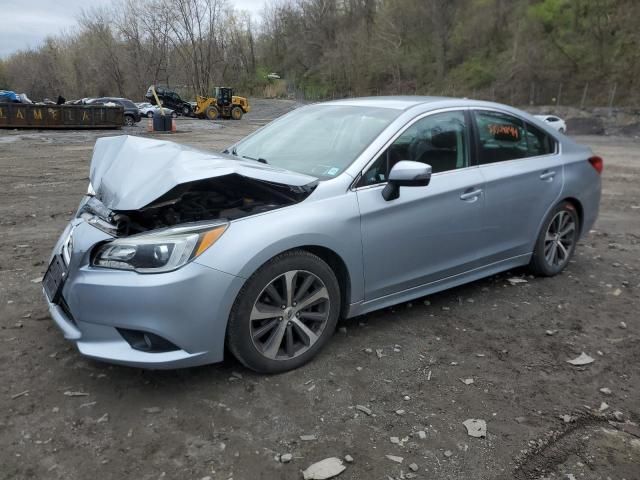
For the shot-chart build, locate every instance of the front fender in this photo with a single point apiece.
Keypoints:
(332, 223)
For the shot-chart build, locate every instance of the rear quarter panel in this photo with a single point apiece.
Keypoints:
(583, 183)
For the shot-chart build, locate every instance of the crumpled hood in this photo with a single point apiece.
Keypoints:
(128, 173)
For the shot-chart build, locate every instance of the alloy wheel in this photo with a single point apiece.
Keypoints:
(289, 315)
(560, 239)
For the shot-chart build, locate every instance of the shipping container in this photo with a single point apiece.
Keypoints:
(21, 115)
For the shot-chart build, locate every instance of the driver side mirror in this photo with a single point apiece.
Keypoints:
(406, 173)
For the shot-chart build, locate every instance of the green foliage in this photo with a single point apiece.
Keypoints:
(549, 12)
(474, 73)
(515, 51)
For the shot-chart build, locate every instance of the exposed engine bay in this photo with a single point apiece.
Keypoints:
(140, 184)
(228, 197)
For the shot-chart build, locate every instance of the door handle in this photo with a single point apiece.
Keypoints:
(472, 195)
(548, 175)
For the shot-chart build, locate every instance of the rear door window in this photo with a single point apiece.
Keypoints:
(501, 137)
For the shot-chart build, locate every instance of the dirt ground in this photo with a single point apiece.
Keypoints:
(222, 421)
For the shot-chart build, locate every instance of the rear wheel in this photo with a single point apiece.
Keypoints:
(556, 241)
(236, 113)
(211, 112)
(285, 313)
(149, 114)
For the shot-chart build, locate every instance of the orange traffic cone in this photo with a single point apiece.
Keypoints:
(150, 125)
(174, 128)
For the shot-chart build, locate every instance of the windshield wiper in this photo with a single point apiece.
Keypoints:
(261, 160)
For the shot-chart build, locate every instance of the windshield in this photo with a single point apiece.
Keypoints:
(319, 140)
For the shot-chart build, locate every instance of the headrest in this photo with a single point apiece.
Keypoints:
(447, 139)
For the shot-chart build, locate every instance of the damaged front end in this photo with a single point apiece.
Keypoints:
(223, 198)
(166, 185)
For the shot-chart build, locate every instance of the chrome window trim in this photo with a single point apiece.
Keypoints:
(395, 136)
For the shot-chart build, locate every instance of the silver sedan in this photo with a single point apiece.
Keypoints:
(333, 210)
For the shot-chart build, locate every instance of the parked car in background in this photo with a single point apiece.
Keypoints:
(148, 110)
(170, 99)
(554, 121)
(79, 101)
(176, 255)
(131, 112)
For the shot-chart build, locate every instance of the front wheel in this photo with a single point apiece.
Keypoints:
(285, 313)
(149, 114)
(556, 241)
(129, 121)
(186, 110)
(211, 112)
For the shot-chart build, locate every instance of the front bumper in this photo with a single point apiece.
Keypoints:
(188, 307)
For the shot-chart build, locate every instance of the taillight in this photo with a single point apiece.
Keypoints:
(597, 163)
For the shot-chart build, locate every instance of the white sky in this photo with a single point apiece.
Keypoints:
(25, 23)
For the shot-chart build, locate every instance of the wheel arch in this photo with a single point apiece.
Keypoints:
(574, 202)
(579, 210)
(339, 267)
(331, 258)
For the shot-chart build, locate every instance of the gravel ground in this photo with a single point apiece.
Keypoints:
(66, 417)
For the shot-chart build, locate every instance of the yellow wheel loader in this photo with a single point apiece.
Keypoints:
(223, 104)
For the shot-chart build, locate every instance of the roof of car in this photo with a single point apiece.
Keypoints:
(395, 102)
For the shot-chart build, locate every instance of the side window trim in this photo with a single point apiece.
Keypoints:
(465, 111)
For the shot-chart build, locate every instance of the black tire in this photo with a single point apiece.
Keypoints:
(174, 115)
(540, 261)
(211, 112)
(186, 110)
(149, 114)
(129, 121)
(240, 329)
(236, 113)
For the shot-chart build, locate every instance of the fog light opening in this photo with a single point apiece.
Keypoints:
(146, 341)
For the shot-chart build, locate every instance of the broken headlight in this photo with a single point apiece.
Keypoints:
(159, 251)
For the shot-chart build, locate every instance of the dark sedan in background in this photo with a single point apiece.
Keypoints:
(131, 112)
